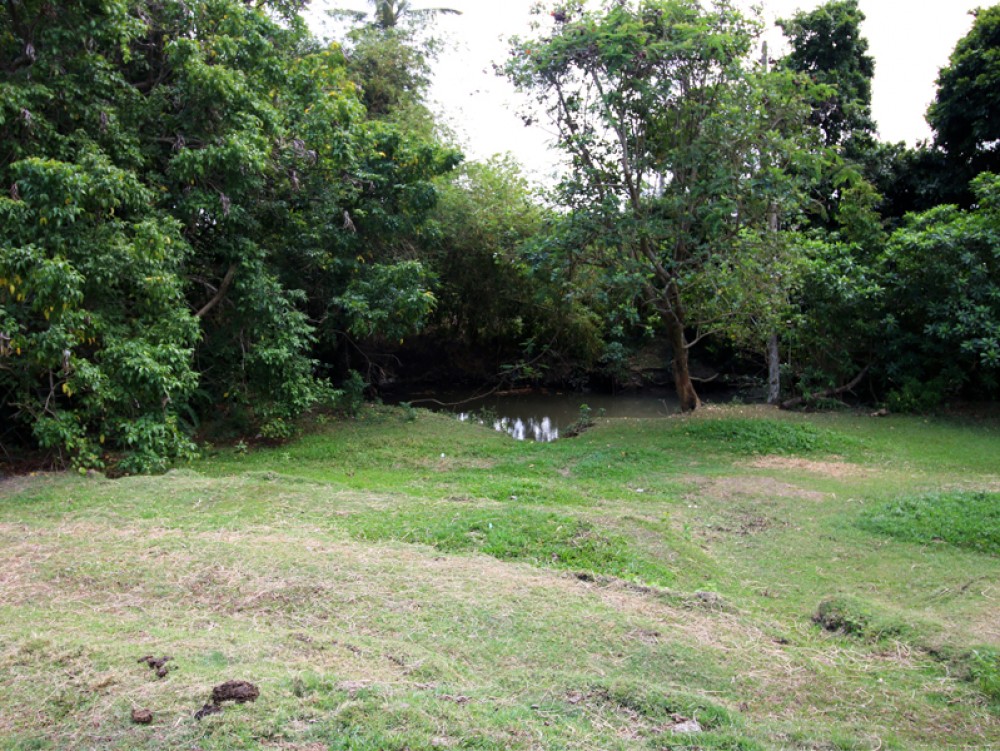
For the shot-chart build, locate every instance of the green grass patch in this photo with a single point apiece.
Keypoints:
(663, 706)
(855, 617)
(969, 520)
(984, 672)
(516, 534)
(758, 437)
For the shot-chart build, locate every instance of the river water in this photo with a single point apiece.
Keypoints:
(540, 416)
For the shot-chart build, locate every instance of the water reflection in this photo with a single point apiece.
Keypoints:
(544, 416)
(530, 429)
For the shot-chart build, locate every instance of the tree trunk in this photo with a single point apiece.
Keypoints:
(773, 353)
(682, 375)
(773, 370)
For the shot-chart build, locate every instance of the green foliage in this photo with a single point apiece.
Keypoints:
(965, 114)
(388, 301)
(662, 707)
(916, 396)
(969, 520)
(180, 181)
(753, 437)
(84, 371)
(834, 326)
(828, 45)
(664, 122)
(393, 72)
(518, 534)
(942, 274)
(389, 15)
(352, 394)
(496, 292)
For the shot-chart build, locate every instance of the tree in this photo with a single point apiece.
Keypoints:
(677, 145)
(828, 46)
(390, 14)
(965, 115)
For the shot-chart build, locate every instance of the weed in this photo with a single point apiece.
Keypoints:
(409, 412)
(850, 615)
(517, 534)
(984, 670)
(750, 437)
(584, 421)
(664, 706)
(968, 520)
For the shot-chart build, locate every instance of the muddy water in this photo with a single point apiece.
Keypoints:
(540, 416)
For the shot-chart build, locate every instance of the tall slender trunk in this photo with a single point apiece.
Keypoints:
(682, 374)
(773, 370)
(773, 353)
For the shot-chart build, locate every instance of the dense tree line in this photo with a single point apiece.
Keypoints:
(208, 215)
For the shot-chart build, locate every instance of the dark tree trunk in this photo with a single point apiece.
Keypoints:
(682, 374)
(773, 370)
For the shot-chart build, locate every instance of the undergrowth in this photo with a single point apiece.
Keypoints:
(758, 437)
(516, 534)
(969, 520)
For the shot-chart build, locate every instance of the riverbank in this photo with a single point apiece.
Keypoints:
(404, 580)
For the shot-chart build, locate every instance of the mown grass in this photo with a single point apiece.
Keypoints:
(424, 584)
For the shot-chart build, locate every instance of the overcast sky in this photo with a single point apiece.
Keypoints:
(909, 39)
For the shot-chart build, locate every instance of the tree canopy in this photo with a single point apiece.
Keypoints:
(828, 46)
(679, 146)
(188, 186)
(965, 114)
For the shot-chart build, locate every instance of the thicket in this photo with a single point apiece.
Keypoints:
(209, 215)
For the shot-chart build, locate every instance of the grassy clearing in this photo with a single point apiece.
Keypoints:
(789, 582)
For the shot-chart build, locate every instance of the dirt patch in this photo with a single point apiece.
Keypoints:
(728, 488)
(835, 469)
(743, 520)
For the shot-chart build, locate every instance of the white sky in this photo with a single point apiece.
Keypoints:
(909, 39)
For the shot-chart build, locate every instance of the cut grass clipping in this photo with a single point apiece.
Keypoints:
(517, 534)
(969, 520)
(753, 437)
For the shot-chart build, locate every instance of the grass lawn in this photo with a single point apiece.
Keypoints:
(775, 581)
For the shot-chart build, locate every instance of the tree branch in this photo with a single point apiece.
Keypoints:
(790, 403)
(227, 280)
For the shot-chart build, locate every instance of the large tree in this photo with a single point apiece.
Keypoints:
(827, 44)
(678, 143)
(965, 115)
